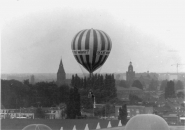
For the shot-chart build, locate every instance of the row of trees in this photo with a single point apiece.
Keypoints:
(103, 88)
(136, 83)
(170, 90)
(74, 104)
(125, 84)
(15, 94)
(178, 85)
(153, 84)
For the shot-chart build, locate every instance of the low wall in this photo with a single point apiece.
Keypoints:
(67, 124)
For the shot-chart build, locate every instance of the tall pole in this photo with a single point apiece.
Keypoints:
(105, 109)
(177, 65)
(91, 95)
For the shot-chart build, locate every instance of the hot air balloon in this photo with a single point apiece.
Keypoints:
(37, 127)
(146, 122)
(91, 48)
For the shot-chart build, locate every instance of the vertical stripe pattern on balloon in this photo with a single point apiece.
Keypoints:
(91, 48)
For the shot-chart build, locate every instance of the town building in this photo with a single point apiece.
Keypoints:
(175, 105)
(171, 119)
(61, 75)
(130, 75)
(17, 113)
(54, 113)
(29, 113)
(182, 120)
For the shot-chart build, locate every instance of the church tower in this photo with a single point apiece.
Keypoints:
(61, 75)
(130, 74)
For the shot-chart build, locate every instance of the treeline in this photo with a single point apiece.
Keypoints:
(103, 88)
(178, 85)
(152, 85)
(170, 91)
(15, 94)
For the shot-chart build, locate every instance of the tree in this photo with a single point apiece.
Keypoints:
(153, 85)
(70, 105)
(137, 84)
(123, 83)
(134, 99)
(170, 90)
(179, 85)
(163, 85)
(14, 94)
(77, 103)
(180, 95)
(123, 114)
(63, 92)
(39, 113)
(73, 105)
(103, 88)
(45, 93)
(26, 82)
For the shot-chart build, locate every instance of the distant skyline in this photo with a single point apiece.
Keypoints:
(35, 35)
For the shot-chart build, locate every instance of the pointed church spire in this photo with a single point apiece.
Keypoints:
(61, 68)
(61, 75)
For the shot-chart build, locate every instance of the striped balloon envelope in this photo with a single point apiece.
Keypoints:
(91, 48)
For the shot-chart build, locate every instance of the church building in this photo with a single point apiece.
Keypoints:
(61, 75)
(130, 75)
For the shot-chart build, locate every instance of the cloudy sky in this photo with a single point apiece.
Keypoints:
(36, 34)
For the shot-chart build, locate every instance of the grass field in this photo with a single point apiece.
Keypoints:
(19, 124)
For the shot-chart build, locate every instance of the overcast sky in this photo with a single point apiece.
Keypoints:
(36, 34)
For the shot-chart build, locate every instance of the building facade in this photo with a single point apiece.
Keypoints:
(17, 113)
(29, 113)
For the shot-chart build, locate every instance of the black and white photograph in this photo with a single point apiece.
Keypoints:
(92, 65)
